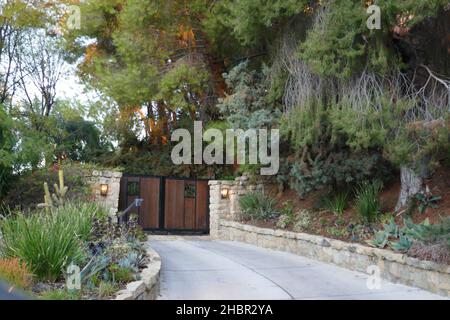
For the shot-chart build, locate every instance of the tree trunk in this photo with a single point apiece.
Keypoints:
(411, 184)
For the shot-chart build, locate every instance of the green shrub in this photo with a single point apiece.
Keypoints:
(428, 233)
(340, 168)
(82, 215)
(367, 200)
(337, 232)
(257, 206)
(337, 204)
(107, 289)
(27, 192)
(45, 242)
(424, 240)
(49, 241)
(61, 294)
(302, 220)
(284, 221)
(121, 274)
(425, 201)
(287, 215)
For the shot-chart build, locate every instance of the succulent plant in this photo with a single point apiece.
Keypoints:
(380, 240)
(56, 199)
(403, 244)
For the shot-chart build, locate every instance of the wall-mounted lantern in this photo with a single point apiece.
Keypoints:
(224, 192)
(103, 190)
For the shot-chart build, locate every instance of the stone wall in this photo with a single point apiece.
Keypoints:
(147, 287)
(96, 178)
(395, 267)
(228, 208)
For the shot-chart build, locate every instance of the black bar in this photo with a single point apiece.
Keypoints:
(162, 198)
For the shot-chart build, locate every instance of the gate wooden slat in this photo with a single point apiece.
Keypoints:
(171, 204)
(174, 204)
(189, 213)
(149, 211)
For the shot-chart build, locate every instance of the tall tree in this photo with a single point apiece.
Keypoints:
(41, 66)
(16, 16)
(149, 56)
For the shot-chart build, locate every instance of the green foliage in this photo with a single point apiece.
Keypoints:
(380, 240)
(155, 81)
(96, 265)
(287, 208)
(121, 274)
(321, 136)
(428, 233)
(249, 106)
(304, 125)
(107, 289)
(334, 46)
(257, 206)
(132, 261)
(7, 142)
(337, 203)
(251, 22)
(427, 201)
(26, 190)
(57, 198)
(302, 220)
(61, 294)
(336, 231)
(341, 169)
(74, 137)
(183, 80)
(49, 241)
(403, 243)
(367, 200)
(284, 221)
(418, 142)
(402, 239)
(287, 215)
(340, 44)
(365, 127)
(45, 242)
(391, 228)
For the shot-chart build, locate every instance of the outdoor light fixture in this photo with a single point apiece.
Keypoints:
(104, 190)
(224, 193)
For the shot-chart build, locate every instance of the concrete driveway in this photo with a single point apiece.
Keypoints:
(197, 268)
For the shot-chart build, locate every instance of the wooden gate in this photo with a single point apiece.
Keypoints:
(170, 204)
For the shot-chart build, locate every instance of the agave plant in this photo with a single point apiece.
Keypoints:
(427, 201)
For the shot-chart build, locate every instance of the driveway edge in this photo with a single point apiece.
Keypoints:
(148, 287)
(392, 266)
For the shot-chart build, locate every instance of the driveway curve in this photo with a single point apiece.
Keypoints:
(196, 268)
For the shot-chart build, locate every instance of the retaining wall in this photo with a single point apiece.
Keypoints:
(147, 288)
(393, 266)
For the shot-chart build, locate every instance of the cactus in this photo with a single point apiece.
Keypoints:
(55, 199)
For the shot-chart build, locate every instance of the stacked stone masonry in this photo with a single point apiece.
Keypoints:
(395, 267)
(147, 287)
(111, 178)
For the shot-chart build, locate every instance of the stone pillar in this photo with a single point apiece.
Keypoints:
(96, 178)
(229, 209)
(226, 209)
(217, 207)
